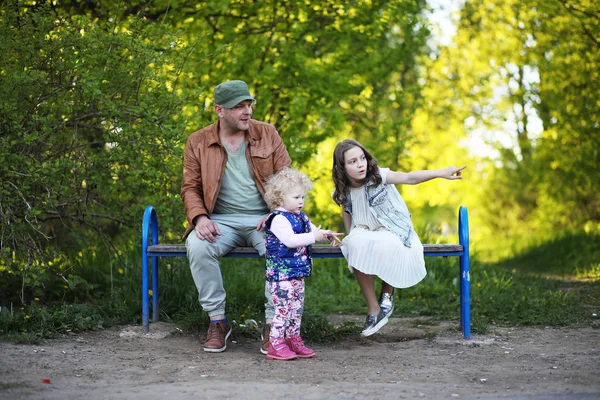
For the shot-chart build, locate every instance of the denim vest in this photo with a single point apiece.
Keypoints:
(386, 204)
(283, 263)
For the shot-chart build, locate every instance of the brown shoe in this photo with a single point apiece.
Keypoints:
(216, 339)
(266, 332)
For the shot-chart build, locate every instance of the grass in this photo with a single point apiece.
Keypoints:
(551, 283)
(574, 257)
(554, 283)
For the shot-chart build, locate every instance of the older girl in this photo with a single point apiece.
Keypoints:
(381, 241)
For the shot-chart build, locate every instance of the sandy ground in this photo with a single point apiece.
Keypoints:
(405, 361)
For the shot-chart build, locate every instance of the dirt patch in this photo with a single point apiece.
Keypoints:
(407, 360)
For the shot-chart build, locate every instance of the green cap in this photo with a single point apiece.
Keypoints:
(231, 93)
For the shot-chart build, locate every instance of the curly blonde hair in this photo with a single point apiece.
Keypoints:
(280, 183)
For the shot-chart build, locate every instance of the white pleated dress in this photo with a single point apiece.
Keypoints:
(374, 250)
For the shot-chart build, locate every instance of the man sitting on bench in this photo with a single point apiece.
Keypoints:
(225, 168)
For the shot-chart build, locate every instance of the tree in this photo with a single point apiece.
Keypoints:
(568, 50)
(514, 63)
(89, 135)
(312, 65)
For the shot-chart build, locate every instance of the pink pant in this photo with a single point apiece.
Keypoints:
(288, 297)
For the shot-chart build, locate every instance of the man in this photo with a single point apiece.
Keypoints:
(225, 168)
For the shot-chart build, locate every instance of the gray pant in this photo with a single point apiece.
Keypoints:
(236, 231)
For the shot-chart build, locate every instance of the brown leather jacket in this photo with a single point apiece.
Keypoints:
(204, 162)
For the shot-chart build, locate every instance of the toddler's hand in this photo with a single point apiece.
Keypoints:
(318, 233)
(332, 237)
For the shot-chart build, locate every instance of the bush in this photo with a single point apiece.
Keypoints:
(89, 134)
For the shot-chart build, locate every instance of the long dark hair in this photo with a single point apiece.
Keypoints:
(338, 172)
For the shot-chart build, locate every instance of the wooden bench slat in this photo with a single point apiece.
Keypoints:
(179, 248)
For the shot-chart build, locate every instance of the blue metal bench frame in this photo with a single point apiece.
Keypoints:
(151, 248)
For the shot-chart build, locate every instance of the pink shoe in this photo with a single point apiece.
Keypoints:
(297, 346)
(278, 350)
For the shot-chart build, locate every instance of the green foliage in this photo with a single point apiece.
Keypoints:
(89, 136)
(575, 256)
(568, 53)
(530, 88)
(31, 324)
(315, 67)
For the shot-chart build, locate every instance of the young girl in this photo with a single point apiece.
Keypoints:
(381, 240)
(288, 239)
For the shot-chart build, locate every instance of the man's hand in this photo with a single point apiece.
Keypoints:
(261, 224)
(206, 229)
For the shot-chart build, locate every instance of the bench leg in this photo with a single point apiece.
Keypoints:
(145, 305)
(145, 294)
(145, 300)
(465, 296)
(465, 278)
(149, 222)
(154, 288)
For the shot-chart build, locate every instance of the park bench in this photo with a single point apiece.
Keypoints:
(154, 250)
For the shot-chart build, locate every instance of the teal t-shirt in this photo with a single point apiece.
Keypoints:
(239, 194)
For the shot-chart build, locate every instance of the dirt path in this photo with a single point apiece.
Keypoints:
(400, 363)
